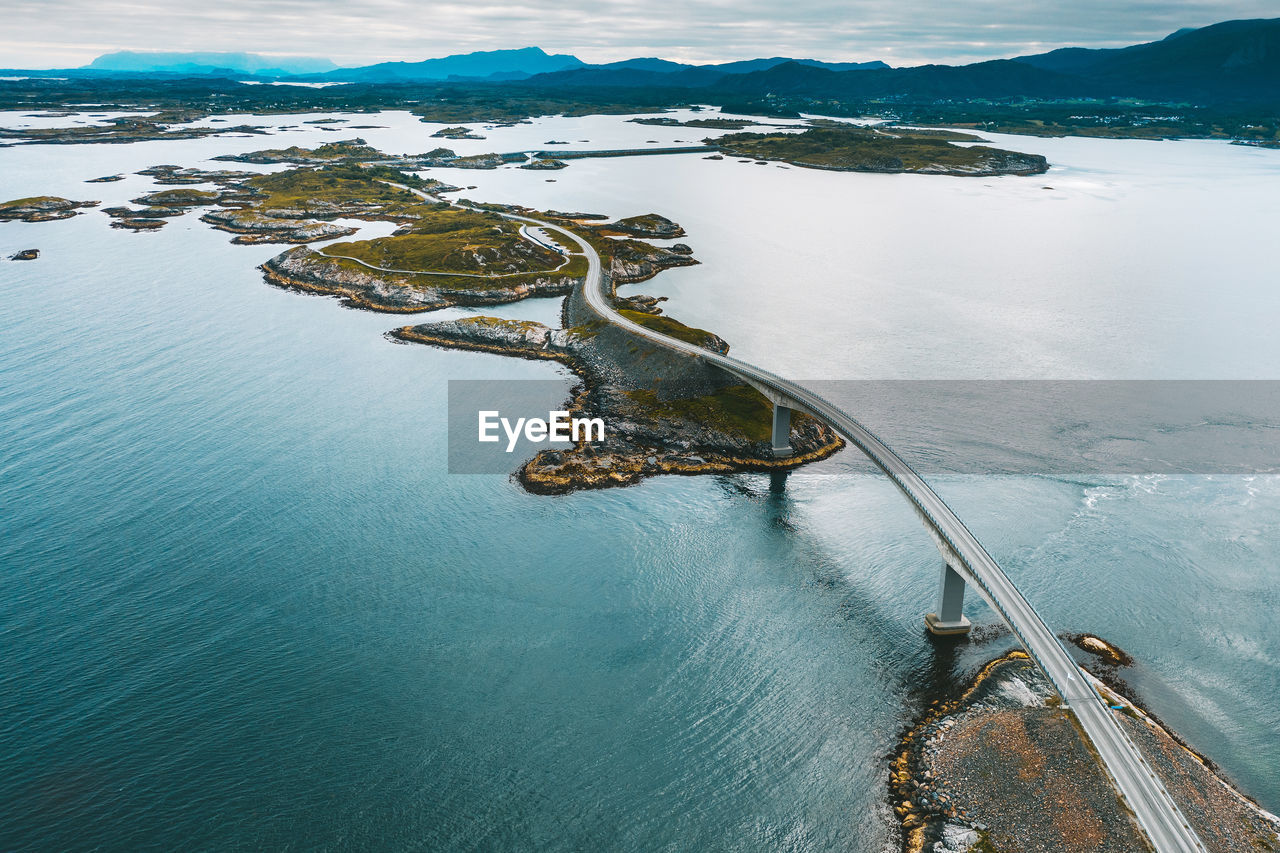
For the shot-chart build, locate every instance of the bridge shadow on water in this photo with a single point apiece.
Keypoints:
(919, 666)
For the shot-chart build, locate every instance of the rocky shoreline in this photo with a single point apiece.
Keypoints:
(43, 208)
(303, 268)
(646, 436)
(668, 413)
(166, 124)
(1002, 767)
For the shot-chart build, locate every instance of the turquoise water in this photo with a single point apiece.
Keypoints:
(243, 605)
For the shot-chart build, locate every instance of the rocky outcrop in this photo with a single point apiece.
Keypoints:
(490, 334)
(477, 161)
(991, 161)
(642, 304)
(120, 130)
(305, 269)
(180, 198)
(131, 223)
(171, 175)
(650, 225)
(272, 226)
(632, 261)
(143, 212)
(544, 164)
(343, 151)
(574, 215)
(455, 133)
(44, 208)
(142, 219)
(665, 412)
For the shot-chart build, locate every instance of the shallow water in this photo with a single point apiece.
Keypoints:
(244, 605)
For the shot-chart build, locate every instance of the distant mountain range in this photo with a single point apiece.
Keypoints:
(495, 65)
(530, 62)
(201, 64)
(1235, 62)
(484, 65)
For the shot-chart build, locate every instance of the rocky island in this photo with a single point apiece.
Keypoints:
(342, 151)
(124, 129)
(42, 208)
(458, 132)
(704, 123)
(850, 148)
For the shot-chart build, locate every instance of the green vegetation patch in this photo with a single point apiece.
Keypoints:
(738, 410)
(41, 208)
(49, 202)
(178, 198)
(303, 189)
(673, 329)
(647, 225)
(449, 239)
(347, 149)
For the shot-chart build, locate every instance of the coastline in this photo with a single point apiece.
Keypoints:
(305, 269)
(639, 445)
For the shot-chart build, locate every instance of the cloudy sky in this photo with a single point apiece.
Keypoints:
(63, 33)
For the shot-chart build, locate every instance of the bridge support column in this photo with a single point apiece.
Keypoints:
(781, 431)
(949, 619)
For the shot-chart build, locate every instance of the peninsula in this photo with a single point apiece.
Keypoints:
(1002, 767)
(670, 414)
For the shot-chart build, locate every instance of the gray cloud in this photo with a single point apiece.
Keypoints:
(56, 33)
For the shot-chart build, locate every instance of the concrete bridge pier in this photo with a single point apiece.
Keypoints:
(781, 431)
(949, 620)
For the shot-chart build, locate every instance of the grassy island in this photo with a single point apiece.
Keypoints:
(41, 208)
(866, 149)
(443, 238)
(347, 150)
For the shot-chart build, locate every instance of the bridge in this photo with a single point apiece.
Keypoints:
(964, 562)
(578, 154)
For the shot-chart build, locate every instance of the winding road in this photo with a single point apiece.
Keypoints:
(1135, 780)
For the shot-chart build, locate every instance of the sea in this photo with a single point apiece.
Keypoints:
(244, 605)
